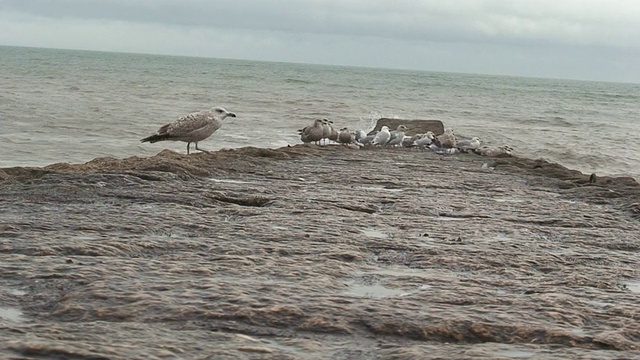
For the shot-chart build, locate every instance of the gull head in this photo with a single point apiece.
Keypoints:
(222, 112)
(402, 127)
(385, 128)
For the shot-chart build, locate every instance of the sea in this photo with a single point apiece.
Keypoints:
(73, 106)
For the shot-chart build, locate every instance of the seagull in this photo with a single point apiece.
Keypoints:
(446, 140)
(382, 137)
(312, 133)
(397, 136)
(469, 145)
(443, 150)
(409, 141)
(192, 128)
(424, 140)
(326, 129)
(345, 137)
(360, 134)
(368, 139)
(363, 138)
(334, 133)
(501, 151)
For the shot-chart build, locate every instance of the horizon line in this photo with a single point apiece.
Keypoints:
(632, 82)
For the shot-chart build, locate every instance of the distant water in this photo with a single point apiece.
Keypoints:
(74, 106)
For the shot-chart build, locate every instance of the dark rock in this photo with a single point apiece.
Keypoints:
(414, 126)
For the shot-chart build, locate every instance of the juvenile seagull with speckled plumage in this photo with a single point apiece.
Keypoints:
(192, 128)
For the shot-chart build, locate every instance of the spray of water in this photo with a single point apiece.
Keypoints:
(369, 123)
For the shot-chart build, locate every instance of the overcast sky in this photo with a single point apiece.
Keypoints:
(575, 39)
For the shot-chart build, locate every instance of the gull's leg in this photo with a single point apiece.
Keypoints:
(197, 148)
(188, 147)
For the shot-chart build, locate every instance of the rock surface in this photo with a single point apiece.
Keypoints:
(317, 253)
(414, 126)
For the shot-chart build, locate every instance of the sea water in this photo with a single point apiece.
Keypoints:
(73, 106)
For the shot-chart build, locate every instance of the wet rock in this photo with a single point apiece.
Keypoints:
(413, 126)
(307, 253)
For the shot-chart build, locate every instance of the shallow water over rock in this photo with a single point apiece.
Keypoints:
(15, 292)
(11, 314)
(633, 286)
(375, 233)
(375, 291)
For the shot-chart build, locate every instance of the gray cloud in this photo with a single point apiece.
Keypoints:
(592, 39)
(586, 22)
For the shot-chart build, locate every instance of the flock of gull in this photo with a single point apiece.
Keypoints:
(322, 131)
(197, 126)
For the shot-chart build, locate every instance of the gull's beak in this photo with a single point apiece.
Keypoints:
(232, 114)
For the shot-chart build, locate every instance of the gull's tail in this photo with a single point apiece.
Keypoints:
(155, 138)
